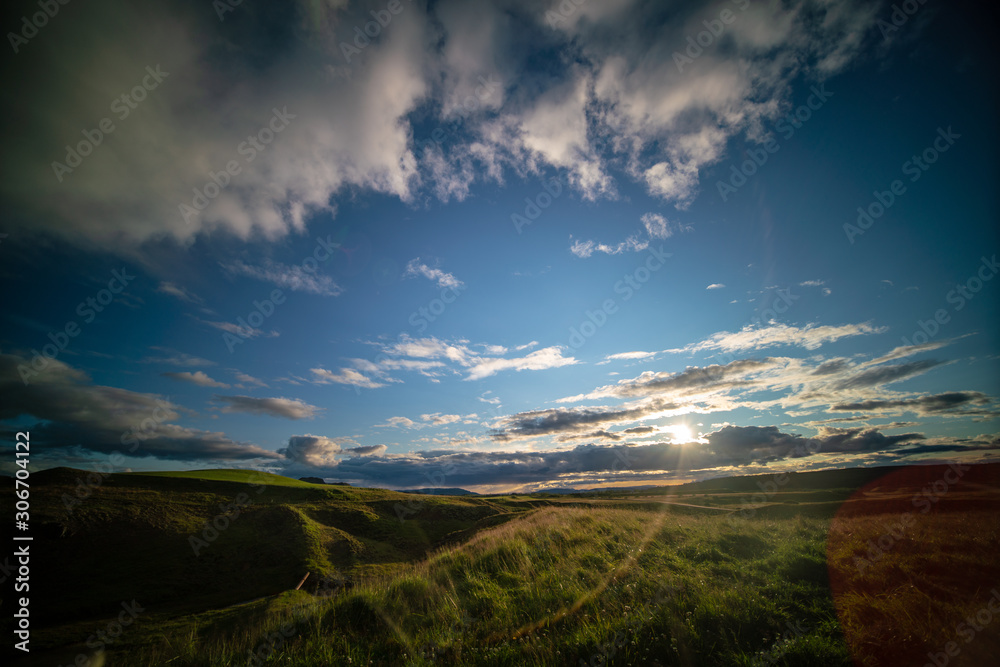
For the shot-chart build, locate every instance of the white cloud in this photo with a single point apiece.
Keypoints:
(626, 355)
(433, 358)
(347, 376)
(400, 422)
(610, 96)
(417, 268)
(288, 408)
(179, 292)
(198, 377)
(295, 278)
(239, 330)
(249, 380)
(548, 357)
(315, 450)
(175, 358)
(715, 286)
(750, 337)
(658, 227)
(587, 248)
(344, 130)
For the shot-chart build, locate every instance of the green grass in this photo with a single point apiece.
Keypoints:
(230, 475)
(555, 586)
(616, 579)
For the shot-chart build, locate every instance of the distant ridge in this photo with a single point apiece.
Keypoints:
(441, 492)
(317, 480)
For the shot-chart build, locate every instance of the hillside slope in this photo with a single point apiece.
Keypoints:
(201, 539)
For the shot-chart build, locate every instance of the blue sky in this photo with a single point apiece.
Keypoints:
(515, 246)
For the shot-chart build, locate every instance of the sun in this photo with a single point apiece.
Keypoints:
(681, 432)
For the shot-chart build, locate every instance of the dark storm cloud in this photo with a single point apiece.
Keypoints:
(568, 420)
(832, 366)
(983, 442)
(760, 444)
(73, 412)
(880, 375)
(288, 408)
(694, 378)
(595, 435)
(730, 446)
(861, 439)
(958, 403)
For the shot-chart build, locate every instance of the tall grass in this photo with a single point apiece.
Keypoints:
(556, 587)
(900, 602)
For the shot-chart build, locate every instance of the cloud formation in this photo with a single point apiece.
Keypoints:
(585, 249)
(730, 449)
(658, 227)
(74, 413)
(753, 337)
(199, 378)
(417, 268)
(287, 408)
(611, 104)
(432, 357)
(296, 278)
(951, 404)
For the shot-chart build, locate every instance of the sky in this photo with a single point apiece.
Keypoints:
(501, 245)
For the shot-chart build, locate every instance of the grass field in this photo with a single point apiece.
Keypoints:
(707, 574)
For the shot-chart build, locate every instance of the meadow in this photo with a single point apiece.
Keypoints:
(822, 569)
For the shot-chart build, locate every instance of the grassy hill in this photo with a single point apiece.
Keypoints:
(197, 539)
(681, 578)
(230, 475)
